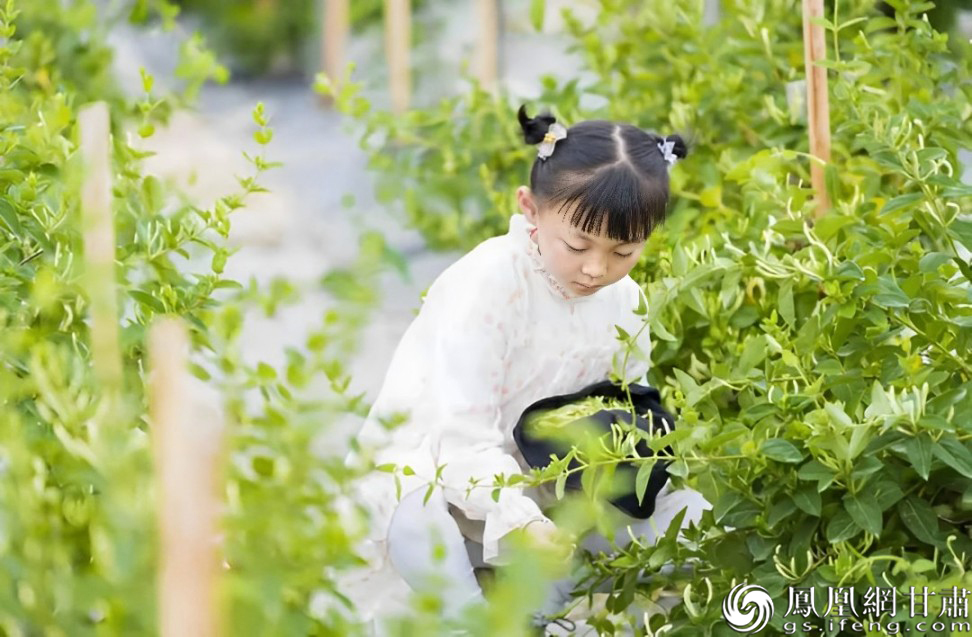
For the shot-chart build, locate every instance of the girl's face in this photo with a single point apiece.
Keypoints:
(580, 262)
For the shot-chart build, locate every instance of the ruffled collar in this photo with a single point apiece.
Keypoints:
(520, 229)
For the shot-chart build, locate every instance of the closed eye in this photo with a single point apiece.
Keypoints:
(573, 249)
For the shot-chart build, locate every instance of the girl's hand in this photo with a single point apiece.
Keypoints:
(545, 535)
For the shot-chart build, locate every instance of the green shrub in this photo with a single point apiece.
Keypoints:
(819, 369)
(256, 35)
(78, 550)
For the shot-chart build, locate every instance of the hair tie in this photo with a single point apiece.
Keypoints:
(666, 150)
(555, 133)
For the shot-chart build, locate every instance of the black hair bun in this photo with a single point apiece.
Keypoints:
(534, 129)
(680, 148)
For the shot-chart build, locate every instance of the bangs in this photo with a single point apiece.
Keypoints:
(633, 205)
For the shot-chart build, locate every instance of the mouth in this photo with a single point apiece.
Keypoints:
(589, 287)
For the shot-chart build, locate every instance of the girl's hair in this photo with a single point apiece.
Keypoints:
(608, 169)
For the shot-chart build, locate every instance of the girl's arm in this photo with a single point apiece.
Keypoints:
(470, 350)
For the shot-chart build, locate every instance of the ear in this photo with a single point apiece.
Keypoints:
(527, 204)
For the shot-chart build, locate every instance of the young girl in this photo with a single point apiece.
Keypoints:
(522, 316)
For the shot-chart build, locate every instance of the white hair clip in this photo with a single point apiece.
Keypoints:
(666, 149)
(554, 133)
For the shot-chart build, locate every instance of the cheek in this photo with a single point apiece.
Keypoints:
(624, 266)
(563, 253)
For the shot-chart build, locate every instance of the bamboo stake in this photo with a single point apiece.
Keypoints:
(818, 106)
(486, 43)
(337, 25)
(398, 38)
(94, 141)
(185, 452)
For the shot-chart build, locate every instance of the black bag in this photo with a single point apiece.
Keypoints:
(537, 450)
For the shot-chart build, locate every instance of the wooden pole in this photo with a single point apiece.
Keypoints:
(94, 141)
(486, 44)
(337, 25)
(818, 105)
(185, 452)
(398, 38)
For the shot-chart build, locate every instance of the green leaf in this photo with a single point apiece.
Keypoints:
(920, 519)
(265, 372)
(866, 467)
(781, 509)
(825, 23)
(743, 516)
(219, 261)
(781, 450)
(901, 201)
(832, 181)
(744, 317)
(147, 80)
(955, 192)
(808, 499)
(687, 383)
(841, 527)
(148, 300)
(880, 402)
(679, 468)
(837, 414)
(560, 484)
(726, 503)
(661, 555)
(753, 354)
(884, 491)
(865, 513)
(642, 308)
(8, 215)
(263, 136)
(919, 452)
(790, 359)
(785, 303)
(587, 480)
(814, 470)
(199, 372)
(537, 8)
(859, 438)
(955, 454)
(889, 294)
(641, 480)
(849, 270)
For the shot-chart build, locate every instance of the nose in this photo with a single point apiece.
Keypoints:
(594, 267)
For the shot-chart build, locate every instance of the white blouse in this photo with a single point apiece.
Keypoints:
(495, 333)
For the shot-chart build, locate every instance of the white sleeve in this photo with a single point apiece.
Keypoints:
(470, 349)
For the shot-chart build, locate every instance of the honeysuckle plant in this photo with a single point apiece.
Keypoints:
(818, 367)
(78, 528)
